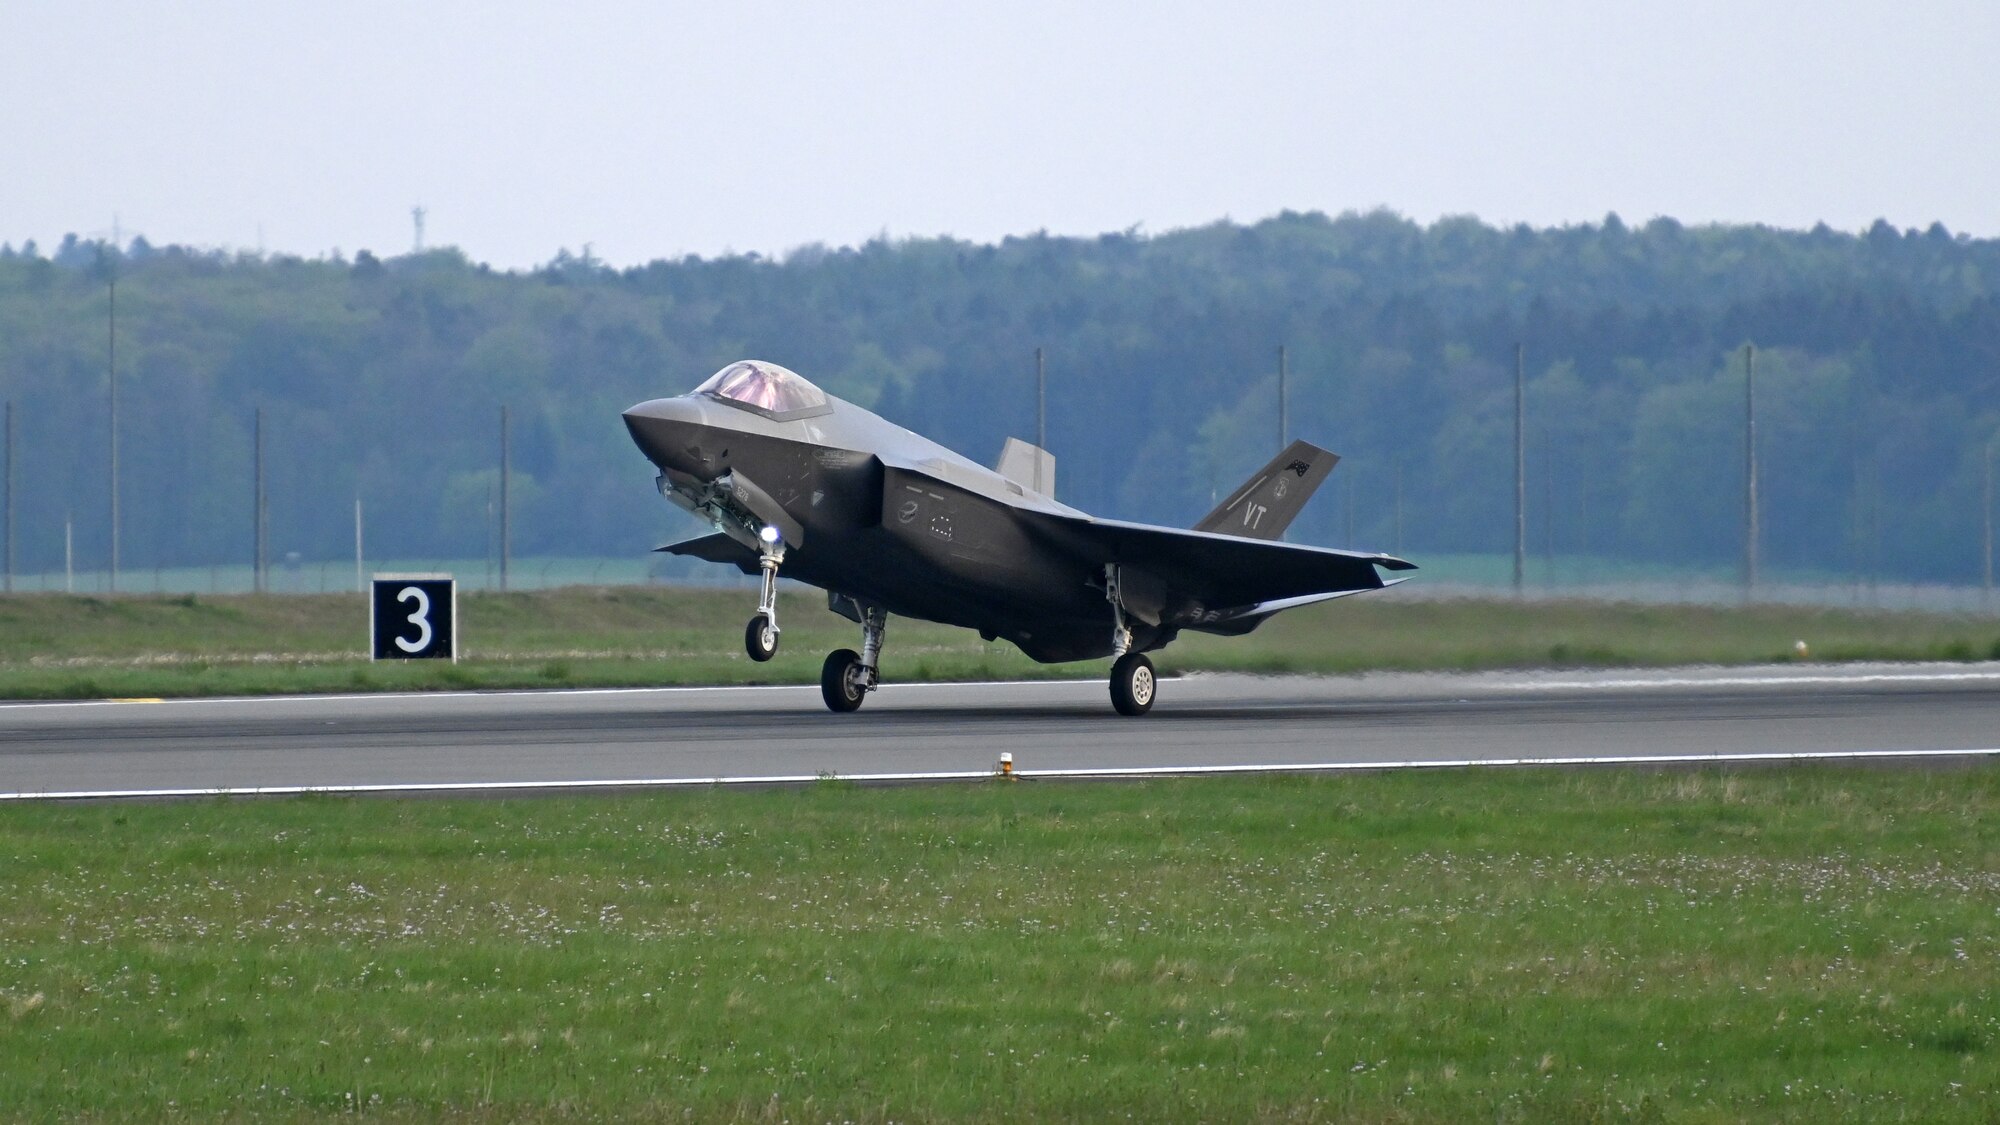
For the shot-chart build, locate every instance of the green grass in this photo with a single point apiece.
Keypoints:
(1802, 945)
(92, 646)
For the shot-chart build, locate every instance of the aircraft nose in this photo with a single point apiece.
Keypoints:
(670, 432)
(682, 409)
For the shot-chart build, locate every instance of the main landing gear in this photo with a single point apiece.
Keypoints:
(1132, 680)
(760, 637)
(1132, 684)
(847, 676)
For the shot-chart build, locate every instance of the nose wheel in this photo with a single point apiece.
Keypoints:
(760, 638)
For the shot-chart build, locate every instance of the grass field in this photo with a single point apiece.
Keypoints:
(88, 646)
(1785, 945)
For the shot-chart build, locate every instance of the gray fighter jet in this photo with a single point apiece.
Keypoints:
(885, 521)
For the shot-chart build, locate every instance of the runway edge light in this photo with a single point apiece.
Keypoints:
(1007, 765)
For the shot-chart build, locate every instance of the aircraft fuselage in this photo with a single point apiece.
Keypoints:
(888, 522)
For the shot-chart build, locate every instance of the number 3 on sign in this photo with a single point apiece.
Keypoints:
(420, 617)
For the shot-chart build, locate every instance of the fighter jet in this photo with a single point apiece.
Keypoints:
(798, 482)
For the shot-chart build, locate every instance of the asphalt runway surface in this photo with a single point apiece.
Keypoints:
(1205, 723)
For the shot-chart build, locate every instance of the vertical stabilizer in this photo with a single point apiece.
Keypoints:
(1264, 506)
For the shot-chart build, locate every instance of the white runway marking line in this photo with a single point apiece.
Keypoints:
(983, 775)
(1757, 681)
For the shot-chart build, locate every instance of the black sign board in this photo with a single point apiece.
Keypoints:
(413, 617)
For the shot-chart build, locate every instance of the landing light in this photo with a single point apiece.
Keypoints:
(769, 535)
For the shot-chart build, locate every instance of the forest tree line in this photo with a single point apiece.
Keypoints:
(1878, 360)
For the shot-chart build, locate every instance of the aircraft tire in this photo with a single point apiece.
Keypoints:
(836, 683)
(760, 639)
(1133, 684)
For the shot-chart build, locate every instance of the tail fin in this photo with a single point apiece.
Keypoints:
(1266, 503)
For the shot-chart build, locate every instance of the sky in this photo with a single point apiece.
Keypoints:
(650, 130)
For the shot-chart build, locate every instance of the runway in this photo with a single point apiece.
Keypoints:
(1204, 723)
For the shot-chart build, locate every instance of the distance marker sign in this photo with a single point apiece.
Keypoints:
(413, 617)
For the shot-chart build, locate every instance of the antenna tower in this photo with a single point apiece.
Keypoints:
(417, 215)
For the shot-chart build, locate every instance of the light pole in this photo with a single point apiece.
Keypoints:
(360, 587)
(1284, 437)
(1750, 518)
(1041, 417)
(1520, 469)
(259, 510)
(506, 468)
(111, 368)
(1399, 507)
(10, 496)
(1041, 401)
(1986, 511)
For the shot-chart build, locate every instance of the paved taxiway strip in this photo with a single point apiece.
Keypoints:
(1204, 724)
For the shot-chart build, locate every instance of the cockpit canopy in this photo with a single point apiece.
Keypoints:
(763, 386)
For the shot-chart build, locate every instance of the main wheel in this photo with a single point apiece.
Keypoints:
(760, 639)
(840, 680)
(1132, 684)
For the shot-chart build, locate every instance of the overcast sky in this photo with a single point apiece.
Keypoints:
(657, 129)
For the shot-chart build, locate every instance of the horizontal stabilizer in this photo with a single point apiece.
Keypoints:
(1029, 466)
(1236, 622)
(1266, 503)
(1218, 570)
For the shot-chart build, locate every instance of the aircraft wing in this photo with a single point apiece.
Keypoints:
(717, 548)
(1236, 579)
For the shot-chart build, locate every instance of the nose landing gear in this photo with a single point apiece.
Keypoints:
(760, 637)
